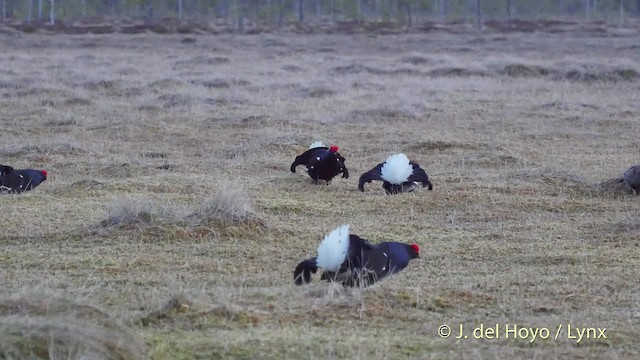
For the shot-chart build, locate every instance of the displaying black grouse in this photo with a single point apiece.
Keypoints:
(397, 174)
(354, 261)
(14, 181)
(323, 163)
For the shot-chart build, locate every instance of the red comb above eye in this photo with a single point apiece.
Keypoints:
(44, 172)
(416, 248)
(333, 148)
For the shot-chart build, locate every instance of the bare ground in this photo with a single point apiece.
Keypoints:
(170, 205)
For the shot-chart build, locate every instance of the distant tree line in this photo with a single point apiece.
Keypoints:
(273, 13)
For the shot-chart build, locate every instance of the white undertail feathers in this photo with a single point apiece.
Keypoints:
(333, 249)
(396, 169)
(316, 144)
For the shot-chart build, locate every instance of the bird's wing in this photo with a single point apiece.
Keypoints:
(13, 182)
(305, 158)
(302, 273)
(419, 175)
(374, 266)
(373, 174)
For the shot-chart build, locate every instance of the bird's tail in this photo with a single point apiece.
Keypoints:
(396, 169)
(316, 144)
(333, 249)
(302, 273)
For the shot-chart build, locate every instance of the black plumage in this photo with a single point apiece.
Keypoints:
(632, 179)
(364, 263)
(322, 163)
(403, 176)
(13, 181)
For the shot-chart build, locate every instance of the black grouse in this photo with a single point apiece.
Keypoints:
(354, 261)
(14, 181)
(323, 163)
(632, 179)
(397, 174)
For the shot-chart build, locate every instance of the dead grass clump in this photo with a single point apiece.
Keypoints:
(350, 69)
(316, 92)
(52, 149)
(100, 85)
(455, 72)
(76, 101)
(379, 113)
(595, 74)
(166, 83)
(213, 84)
(202, 60)
(416, 60)
(175, 100)
(521, 70)
(41, 326)
(615, 186)
(229, 205)
(135, 212)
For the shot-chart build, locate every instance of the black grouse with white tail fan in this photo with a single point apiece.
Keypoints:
(397, 174)
(323, 163)
(14, 181)
(354, 261)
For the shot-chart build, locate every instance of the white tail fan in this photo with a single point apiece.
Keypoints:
(316, 144)
(333, 249)
(396, 169)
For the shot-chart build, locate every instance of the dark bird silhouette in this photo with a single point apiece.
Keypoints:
(397, 174)
(632, 179)
(323, 163)
(354, 261)
(14, 181)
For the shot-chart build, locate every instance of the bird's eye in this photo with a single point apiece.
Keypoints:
(318, 158)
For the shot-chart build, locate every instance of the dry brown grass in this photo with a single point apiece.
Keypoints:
(41, 325)
(181, 151)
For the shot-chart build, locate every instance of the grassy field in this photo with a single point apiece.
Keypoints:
(170, 213)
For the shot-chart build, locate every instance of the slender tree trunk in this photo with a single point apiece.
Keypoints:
(52, 11)
(359, 10)
(509, 14)
(4, 10)
(622, 12)
(409, 14)
(301, 10)
(39, 10)
(443, 8)
(30, 5)
(479, 15)
(84, 8)
(318, 4)
(179, 9)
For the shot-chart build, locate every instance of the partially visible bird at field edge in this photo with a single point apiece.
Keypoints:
(632, 179)
(353, 261)
(14, 181)
(321, 162)
(397, 174)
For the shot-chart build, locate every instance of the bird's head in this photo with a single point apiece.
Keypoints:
(415, 251)
(44, 173)
(333, 149)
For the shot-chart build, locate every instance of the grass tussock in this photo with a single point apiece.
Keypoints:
(228, 206)
(136, 212)
(41, 326)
